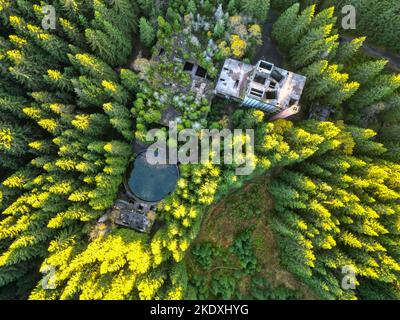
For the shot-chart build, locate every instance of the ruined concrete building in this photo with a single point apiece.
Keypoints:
(134, 215)
(264, 86)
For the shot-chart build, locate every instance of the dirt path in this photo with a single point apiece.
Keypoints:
(269, 51)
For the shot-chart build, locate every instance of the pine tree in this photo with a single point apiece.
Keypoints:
(378, 89)
(147, 32)
(328, 84)
(284, 26)
(14, 141)
(256, 8)
(315, 45)
(347, 51)
(64, 175)
(325, 223)
(365, 72)
(300, 26)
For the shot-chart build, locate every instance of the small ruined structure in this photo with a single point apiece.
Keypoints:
(134, 215)
(264, 86)
(320, 113)
(200, 85)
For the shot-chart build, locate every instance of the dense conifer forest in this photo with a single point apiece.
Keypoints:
(74, 98)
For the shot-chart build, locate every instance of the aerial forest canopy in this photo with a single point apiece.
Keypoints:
(74, 98)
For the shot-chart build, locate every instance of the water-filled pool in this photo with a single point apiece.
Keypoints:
(151, 183)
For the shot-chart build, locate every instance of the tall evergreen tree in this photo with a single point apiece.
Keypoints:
(147, 32)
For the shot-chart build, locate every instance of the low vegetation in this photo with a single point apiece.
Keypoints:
(236, 256)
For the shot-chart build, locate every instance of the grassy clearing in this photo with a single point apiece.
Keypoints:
(244, 210)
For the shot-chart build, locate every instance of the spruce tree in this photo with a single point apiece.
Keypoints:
(256, 8)
(147, 32)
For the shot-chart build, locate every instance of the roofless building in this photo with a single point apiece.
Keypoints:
(266, 87)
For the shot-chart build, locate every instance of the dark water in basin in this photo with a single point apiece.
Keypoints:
(152, 183)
